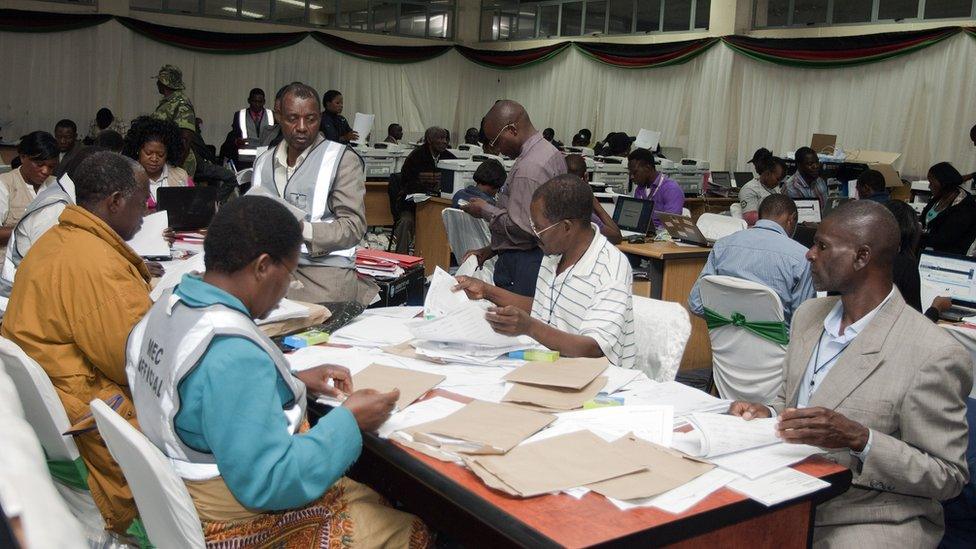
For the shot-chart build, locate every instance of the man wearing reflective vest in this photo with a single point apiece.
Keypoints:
(323, 184)
(250, 126)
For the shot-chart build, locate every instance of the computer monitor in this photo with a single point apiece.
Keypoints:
(633, 214)
(947, 275)
(808, 211)
(741, 178)
(188, 208)
(722, 179)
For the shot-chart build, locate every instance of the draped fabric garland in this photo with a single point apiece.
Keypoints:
(796, 52)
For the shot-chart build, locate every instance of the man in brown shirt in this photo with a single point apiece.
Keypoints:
(513, 239)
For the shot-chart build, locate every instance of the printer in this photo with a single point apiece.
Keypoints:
(466, 151)
(612, 172)
(458, 173)
(688, 173)
(381, 159)
(582, 151)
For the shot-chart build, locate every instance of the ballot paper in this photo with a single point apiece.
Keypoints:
(686, 496)
(468, 267)
(149, 241)
(362, 124)
(419, 413)
(259, 190)
(619, 378)
(759, 462)
(554, 464)
(568, 373)
(649, 423)
(372, 331)
(488, 428)
(174, 273)
(720, 434)
(404, 312)
(441, 298)
(666, 470)
(468, 354)
(554, 398)
(685, 399)
(489, 393)
(317, 355)
(466, 325)
(286, 310)
(778, 487)
(647, 139)
(412, 384)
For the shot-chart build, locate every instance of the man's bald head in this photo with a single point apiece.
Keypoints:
(508, 126)
(576, 165)
(868, 223)
(855, 247)
(507, 111)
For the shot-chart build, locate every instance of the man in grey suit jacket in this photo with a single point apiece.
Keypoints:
(878, 385)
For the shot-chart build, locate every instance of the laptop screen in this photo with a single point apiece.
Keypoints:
(741, 178)
(947, 275)
(188, 207)
(633, 214)
(722, 179)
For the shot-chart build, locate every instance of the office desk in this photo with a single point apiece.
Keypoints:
(673, 272)
(430, 236)
(451, 499)
(377, 202)
(700, 204)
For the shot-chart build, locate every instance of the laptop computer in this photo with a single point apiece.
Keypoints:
(633, 215)
(741, 178)
(683, 229)
(952, 276)
(808, 211)
(188, 208)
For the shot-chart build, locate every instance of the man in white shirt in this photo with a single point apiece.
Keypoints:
(583, 303)
(877, 385)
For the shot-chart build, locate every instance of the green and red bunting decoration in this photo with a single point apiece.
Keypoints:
(508, 59)
(35, 21)
(212, 42)
(843, 51)
(645, 56)
(382, 54)
(971, 31)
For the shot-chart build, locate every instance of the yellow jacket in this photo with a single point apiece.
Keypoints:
(78, 293)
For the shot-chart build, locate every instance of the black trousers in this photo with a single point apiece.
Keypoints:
(517, 270)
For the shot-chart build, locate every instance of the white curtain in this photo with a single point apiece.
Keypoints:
(720, 106)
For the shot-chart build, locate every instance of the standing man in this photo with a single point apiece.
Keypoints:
(251, 126)
(806, 183)
(176, 107)
(323, 183)
(649, 184)
(394, 133)
(509, 128)
(876, 384)
(420, 176)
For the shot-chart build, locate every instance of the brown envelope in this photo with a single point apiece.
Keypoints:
(558, 463)
(412, 384)
(666, 469)
(497, 428)
(406, 350)
(570, 373)
(554, 397)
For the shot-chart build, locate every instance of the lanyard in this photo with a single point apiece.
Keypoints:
(817, 366)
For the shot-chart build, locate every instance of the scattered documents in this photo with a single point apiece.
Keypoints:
(552, 465)
(685, 399)
(778, 487)
(406, 312)
(619, 378)
(666, 470)
(286, 310)
(687, 496)
(647, 139)
(318, 355)
(372, 331)
(418, 413)
(650, 423)
(719, 434)
(149, 241)
(441, 298)
(554, 398)
(488, 428)
(362, 124)
(412, 384)
(174, 273)
(569, 373)
(763, 461)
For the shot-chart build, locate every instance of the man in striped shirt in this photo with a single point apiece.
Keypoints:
(583, 304)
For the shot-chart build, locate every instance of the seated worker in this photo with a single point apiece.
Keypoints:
(949, 219)
(583, 303)
(488, 179)
(871, 186)
(78, 294)
(230, 416)
(651, 185)
(104, 121)
(156, 144)
(576, 165)
(905, 269)
(38, 155)
(419, 175)
(334, 125)
(771, 171)
(472, 137)
(66, 134)
(549, 135)
(806, 183)
(579, 140)
(394, 133)
(766, 254)
(878, 385)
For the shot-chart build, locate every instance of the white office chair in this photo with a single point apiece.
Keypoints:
(662, 329)
(164, 503)
(735, 209)
(715, 226)
(465, 233)
(45, 414)
(746, 366)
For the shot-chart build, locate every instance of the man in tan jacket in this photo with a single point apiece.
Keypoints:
(79, 292)
(877, 385)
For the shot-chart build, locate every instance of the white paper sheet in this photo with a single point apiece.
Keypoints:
(373, 331)
(763, 461)
(685, 399)
(149, 241)
(651, 423)
(466, 325)
(317, 355)
(467, 268)
(421, 412)
(363, 125)
(778, 487)
(405, 312)
(684, 497)
(724, 434)
(441, 298)
(618, 378)
(286, 310)
(647, 139)
(174, 273)
(489, 393)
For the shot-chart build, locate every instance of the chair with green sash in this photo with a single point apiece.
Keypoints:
(45, 414)
(748, 335)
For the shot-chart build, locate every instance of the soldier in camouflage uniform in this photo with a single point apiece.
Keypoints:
(176, 107)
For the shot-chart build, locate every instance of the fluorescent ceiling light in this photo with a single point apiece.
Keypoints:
(300, 4)
(245, 13)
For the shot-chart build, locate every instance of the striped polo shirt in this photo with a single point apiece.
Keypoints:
(592, 298)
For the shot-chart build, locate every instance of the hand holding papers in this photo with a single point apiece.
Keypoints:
(362, 124)
(149, 241)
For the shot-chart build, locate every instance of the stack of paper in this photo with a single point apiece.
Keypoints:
(685, 399)
(650, 423)
(561, 385)
(481, 428)
(666, 470)
(372, 331)
(412, 384)
(286, 310)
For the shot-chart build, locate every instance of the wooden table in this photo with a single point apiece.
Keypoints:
(430, 236)
(452, 500)
(673, 272)
(377, 202)
(701, 204)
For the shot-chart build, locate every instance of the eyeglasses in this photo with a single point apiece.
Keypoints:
(538, 233)
(500, 132)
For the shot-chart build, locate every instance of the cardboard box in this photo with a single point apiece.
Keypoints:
(881, 161)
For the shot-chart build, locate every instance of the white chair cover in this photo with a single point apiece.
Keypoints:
(164, 504)
(45, 413)
(746, 366)
(715, 226)
(662, 329)
(466, 233)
